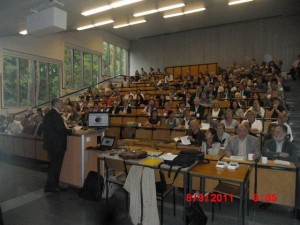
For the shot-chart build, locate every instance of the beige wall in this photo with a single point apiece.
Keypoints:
(271, 38)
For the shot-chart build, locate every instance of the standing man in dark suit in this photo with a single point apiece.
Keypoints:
(55, 142)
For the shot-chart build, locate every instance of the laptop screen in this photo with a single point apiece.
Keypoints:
(107, 141)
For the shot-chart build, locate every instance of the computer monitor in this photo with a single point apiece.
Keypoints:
(98, 119)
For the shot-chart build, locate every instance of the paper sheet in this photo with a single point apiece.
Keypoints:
(185, 140)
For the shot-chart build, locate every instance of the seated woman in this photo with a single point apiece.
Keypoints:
(205, 100)
(181, 109)
(236, 109)
(223, 137)
(256, 96)
(229, 122)
(260, 111)
(276, 109)
(172, 121)
(211, 145)
(140, 102)
(216, 111)
(154, 119)
(167, 108)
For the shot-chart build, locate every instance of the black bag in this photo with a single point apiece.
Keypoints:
(161, 186)
(195, 214)
(185, 158)
(92, 187)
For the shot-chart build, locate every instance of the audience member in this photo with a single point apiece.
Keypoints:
(195, 135)
(154, 119)
(279, 147)
(211, 146)
(243, 144)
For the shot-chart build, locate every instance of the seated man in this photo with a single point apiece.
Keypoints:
(279, 147)
(242, 144)
(197, 110)
(195, 135)
(282, 120)
(255, 126)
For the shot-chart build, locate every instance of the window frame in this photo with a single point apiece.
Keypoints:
(36, 60)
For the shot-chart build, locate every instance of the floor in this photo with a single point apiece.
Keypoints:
(23, 201)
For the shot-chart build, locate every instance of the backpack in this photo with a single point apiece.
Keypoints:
(186, 158)
(92, 187)
(195, 214)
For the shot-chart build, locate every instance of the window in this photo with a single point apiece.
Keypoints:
(114, 60)
(81, 68)
(29, 82)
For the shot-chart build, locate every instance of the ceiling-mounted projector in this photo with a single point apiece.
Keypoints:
(48, 21)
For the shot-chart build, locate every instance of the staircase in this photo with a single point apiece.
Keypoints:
(293, 101)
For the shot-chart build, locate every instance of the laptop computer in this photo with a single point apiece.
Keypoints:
(107, 143)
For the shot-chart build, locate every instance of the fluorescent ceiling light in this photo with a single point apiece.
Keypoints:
(145, 13)
(238, 2)
(121, 25)
(108, 7)
(173, 15)
(95, 25)
(23, 32)
(86, 27)
(96, 10)
(194, 10)
(103, 23)
(123, 2)
(137, 22)
(130, 24)
(165, 8)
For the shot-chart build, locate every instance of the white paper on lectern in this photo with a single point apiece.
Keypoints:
(185, 140)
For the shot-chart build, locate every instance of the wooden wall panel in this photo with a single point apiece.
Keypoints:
(203, 68)
(212, 68)
(169, 70)
(185, 70)
(194, 70)
(177, 71)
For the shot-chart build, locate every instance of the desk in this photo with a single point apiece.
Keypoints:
(279, 180)
(239, 176)
(252, 176)
(164, 167)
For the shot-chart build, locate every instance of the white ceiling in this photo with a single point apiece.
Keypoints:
(13, 15)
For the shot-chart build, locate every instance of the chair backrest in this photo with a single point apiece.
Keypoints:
(115, 165)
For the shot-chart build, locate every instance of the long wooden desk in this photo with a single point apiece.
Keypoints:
(239, 176)
(270, 179)
(278, 180)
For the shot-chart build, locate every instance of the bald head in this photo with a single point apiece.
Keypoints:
(242, 131)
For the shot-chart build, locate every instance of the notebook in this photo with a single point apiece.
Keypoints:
(107, 143)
